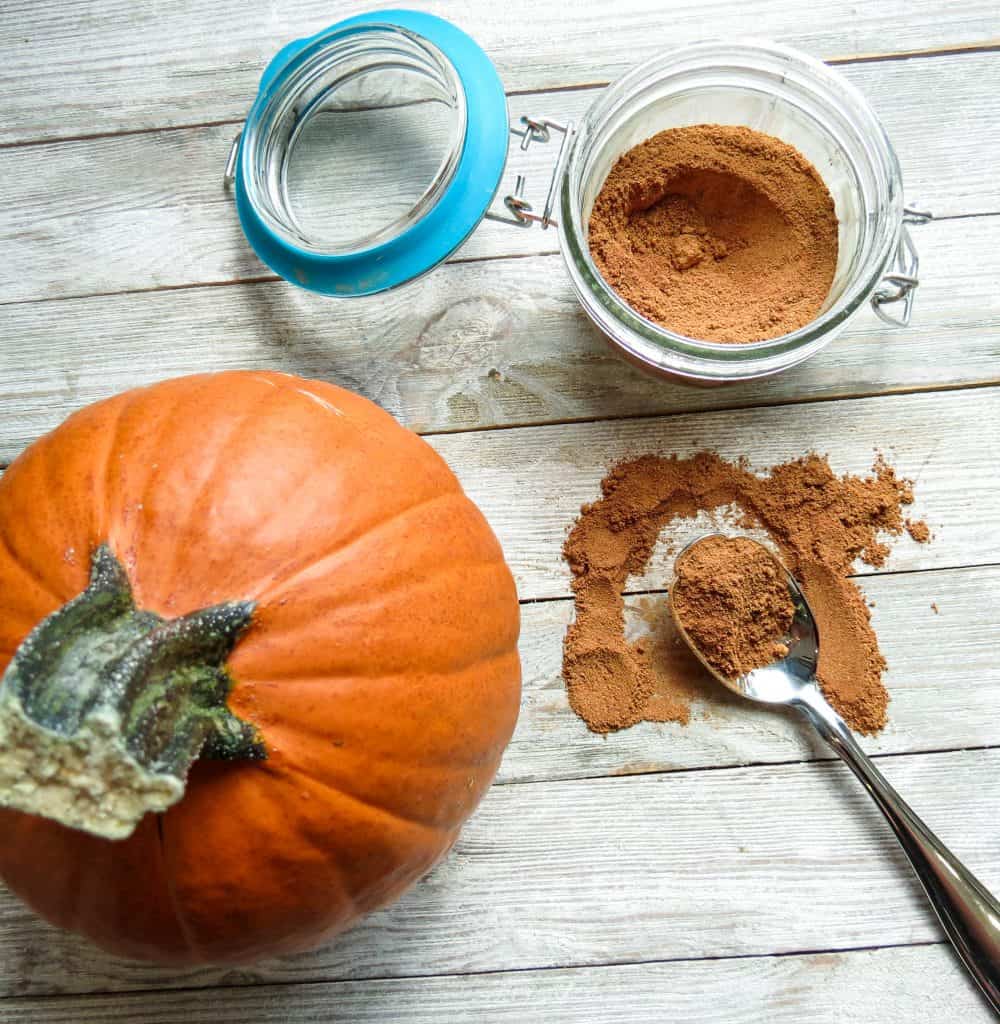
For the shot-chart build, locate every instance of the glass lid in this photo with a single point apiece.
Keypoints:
(372, 151)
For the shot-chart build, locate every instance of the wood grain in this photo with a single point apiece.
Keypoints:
(592, 851)
(474, 345)
(71, 70)
(148, 210)
(735, 862)
(530, 482)
(889, 986)
(942, 679)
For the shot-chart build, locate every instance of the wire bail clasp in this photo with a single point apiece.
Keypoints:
(901, 284)
(229, 174)
(521, 211)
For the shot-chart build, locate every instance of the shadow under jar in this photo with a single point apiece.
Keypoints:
(375, 147)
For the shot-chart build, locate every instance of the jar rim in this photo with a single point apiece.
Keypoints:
(323, 53)
(786, 64)
(432, 232)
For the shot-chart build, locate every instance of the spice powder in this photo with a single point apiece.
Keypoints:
(717, 232)
(731, 598)
(819, 523)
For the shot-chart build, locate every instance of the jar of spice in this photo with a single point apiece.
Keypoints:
(345, 203)
(781, 92)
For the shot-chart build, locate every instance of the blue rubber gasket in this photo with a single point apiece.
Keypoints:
(450, 220)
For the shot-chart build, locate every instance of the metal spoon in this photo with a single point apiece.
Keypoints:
(968, 912)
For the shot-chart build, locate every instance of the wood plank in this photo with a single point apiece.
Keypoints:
(737, 862)
(888, 986)
(942, 679)
(107, 66)
(148, 210)
(473, 345)
(530, 482)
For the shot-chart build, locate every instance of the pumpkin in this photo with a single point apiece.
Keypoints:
(259, 665)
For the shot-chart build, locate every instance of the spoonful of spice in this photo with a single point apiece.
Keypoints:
(746, 619)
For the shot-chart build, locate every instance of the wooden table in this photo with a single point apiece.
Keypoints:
(727, 871)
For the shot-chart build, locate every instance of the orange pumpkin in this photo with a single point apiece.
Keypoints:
(292, 596)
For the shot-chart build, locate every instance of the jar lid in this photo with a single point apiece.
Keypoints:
(372, 151)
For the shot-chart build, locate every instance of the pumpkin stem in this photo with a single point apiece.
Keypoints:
(105, 707)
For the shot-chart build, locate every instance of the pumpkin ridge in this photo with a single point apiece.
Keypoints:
(381, 809)
(386, 421)
(272, 589)
(102, 502)
(438, 770)
(298, 771)
(291, 770)
(183, 925)
(164, 426)
(254, 682)
(322, 402)
(102, 470)
(322, 847)
(194, 509)
(29, 573)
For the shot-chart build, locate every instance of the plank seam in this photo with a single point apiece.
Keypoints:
(332, 982)
(859, 576)
(272, 278)
(872, 58)
(773, 404)
(821, 759)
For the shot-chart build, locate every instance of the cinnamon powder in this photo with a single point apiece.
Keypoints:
(717, 232)
(819, 523)
(732, 600)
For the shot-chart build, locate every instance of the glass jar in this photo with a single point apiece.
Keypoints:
(374, 148)
(771, 89)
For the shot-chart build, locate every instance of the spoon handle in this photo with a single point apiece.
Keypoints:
(968, 912)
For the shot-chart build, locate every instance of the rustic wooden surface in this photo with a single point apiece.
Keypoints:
(723, 871)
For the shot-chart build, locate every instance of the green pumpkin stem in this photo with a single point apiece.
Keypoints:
(105, 707)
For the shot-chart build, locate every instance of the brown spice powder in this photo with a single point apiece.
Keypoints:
(717, 232)
(918, 530)
(731, 597)
(819, 522)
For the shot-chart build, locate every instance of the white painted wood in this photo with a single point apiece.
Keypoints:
(653, 867)
(942, 678)
(473, 345)
(574, 868)
(530, 482)
(148, 210)
(888, 986)
(76, 69)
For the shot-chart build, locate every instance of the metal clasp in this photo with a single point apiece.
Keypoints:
(901, 284)
(521, 211)
(229, 175)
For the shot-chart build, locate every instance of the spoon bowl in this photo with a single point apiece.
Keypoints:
(782, 681)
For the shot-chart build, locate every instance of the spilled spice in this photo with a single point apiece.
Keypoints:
(717, 232)
(732, 600)
(918, 530)
(819, 522)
